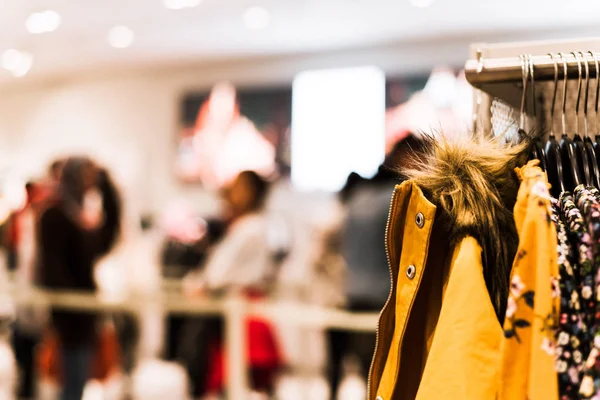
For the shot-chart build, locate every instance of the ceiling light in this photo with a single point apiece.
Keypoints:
(120, 37)
(256, 18)
(11, 59)
(422, 3)
(17, 62)
(181, 4)
(24, 66)
(43, 22)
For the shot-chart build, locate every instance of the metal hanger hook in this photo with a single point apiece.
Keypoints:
(532, 77)
(524, 79)
(564, 100)
(553, 93)
(478, 95)
(587, 89)
(579, 81)
(597, 65)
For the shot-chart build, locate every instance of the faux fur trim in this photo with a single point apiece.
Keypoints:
(471, 180)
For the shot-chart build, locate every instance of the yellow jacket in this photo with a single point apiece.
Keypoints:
(439, 335)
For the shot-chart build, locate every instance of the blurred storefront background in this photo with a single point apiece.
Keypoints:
(238, 158)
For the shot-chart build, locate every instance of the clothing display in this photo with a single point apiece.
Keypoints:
(577, 347)
(445, 294)
(547, 267)
(495, 283)
(477, 240)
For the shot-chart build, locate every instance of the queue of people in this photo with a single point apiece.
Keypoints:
(260, 246)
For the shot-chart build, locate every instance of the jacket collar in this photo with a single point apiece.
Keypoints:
(410, 220)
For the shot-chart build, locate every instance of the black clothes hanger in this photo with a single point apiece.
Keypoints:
(597, 136)
(583, 164)
(554, 167)
(572, 175)
(537, 151)
(587, 142)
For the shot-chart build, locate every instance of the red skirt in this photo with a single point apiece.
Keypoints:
(262, 353)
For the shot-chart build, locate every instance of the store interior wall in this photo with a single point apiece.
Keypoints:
(128, 119)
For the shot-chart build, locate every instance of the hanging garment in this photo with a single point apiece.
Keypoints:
(568, 326)
(582, 244)
(575, 337)
(588, 204)
(439, 332)
(527, 348)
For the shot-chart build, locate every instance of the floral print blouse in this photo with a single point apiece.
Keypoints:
(560, 319)
(528, 347)
(577, 220)
(567, 366)
(589, 205)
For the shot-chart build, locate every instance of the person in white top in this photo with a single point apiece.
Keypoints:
(243, 261)
(243, 258)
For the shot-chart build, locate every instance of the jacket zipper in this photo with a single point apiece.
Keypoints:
(389, 261)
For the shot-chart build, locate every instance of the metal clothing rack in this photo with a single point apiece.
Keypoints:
(496, 70)
(510, 69)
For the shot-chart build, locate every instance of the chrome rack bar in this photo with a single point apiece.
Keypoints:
(501, 70)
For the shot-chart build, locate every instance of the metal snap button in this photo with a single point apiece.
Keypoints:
(420, 220)
(411, 271)
(379, 398)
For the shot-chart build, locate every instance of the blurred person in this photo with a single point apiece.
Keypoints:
(30, 319)
(15, 226)
(312, 274)
(25, 222)
(367, 285)
(362, 245)
(71, 240)
(50, 182)
(242, 261)
(55, 170)
(189, 239)
(46, 188)
(243, 258)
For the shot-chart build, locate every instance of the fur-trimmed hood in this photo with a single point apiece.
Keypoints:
(471, 180)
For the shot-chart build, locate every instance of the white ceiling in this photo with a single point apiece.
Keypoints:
(214, 30)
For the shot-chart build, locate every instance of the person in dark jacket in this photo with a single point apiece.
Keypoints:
(69, 246)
